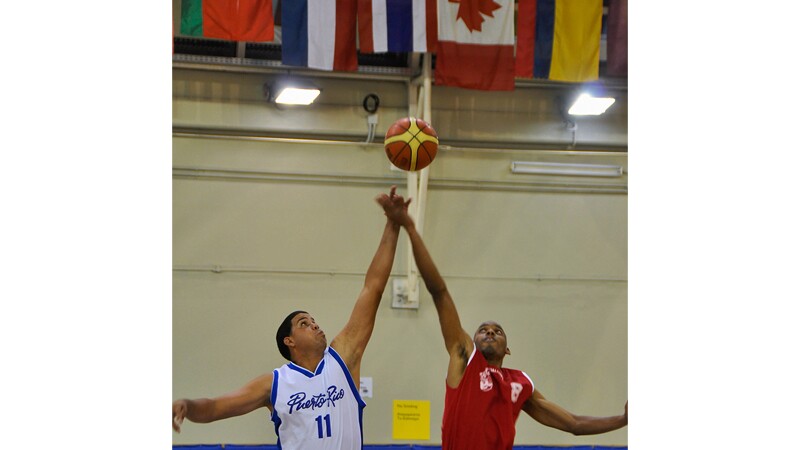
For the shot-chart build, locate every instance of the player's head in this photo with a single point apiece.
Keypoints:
(299, 331)
(490, 339)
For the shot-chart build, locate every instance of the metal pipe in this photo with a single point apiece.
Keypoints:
(426, 116)
(214, 134)
(537, 278)
(411, 264)
(383, 182)
(399, 74)
(427, 85)
(414, 101)
(420, 103)
(257, 66)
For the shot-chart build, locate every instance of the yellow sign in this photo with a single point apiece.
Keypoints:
(411, 419)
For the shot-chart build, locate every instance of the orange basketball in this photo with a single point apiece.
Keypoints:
(411, 144)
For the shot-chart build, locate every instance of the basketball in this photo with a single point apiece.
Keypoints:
(411, 144)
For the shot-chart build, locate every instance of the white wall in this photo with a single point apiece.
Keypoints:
(292, 225)
(263, 226)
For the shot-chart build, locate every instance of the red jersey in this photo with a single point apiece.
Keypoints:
(481, 412)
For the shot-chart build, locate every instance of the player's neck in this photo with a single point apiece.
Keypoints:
(309, 360)
(494, 361)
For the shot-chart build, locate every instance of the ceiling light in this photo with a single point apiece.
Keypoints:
(586, 105)
(296, 96)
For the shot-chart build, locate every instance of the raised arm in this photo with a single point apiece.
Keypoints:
(549, 414)
(252, 396)
(351, 342)
(458, 343)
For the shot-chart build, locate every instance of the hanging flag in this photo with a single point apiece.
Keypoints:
(543, 44)
(535, 20)
(576, 40)
(233, 20)
(564, 43)
(397, 26)
(320, 34)
(617, 59)
(192, 17)
(476, 44)
(526, 35)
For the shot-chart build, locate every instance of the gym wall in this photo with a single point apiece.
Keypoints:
(273, 211)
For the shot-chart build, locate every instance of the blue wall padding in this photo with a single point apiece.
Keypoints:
(198, 447)
(390, 447)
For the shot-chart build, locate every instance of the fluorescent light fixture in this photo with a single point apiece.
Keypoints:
(582, 170)
(297, 96)
(586, 105)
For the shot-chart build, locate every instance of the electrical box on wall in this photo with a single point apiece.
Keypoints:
(402, 297)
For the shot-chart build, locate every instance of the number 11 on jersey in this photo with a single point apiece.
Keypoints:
(327, 426)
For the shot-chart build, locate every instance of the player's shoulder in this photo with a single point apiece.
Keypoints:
(519, 374)
(260, 383)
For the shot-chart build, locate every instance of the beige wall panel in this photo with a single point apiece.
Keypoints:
(551, 267)
(291, 224)
(569, 337)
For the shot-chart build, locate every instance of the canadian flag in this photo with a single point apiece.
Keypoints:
(476, 44)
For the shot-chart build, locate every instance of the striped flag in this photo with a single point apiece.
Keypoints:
(476, 44)
(397, 26)
(565, 42)
(320, 34)
(233, 20)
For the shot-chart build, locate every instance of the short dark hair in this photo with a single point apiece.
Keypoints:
(284, 330)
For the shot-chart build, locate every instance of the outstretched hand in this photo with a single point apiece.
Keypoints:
(395, 208)
(178, 414)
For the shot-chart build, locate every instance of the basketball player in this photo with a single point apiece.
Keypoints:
(483, 399)
(314, 399)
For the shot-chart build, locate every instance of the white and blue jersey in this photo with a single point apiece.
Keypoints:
(317, 411)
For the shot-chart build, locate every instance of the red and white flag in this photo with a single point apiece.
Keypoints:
(476, 44)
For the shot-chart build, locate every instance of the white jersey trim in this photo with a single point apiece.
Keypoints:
(272, 396)
(533, 386)
(474, 349)
(349, 377)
